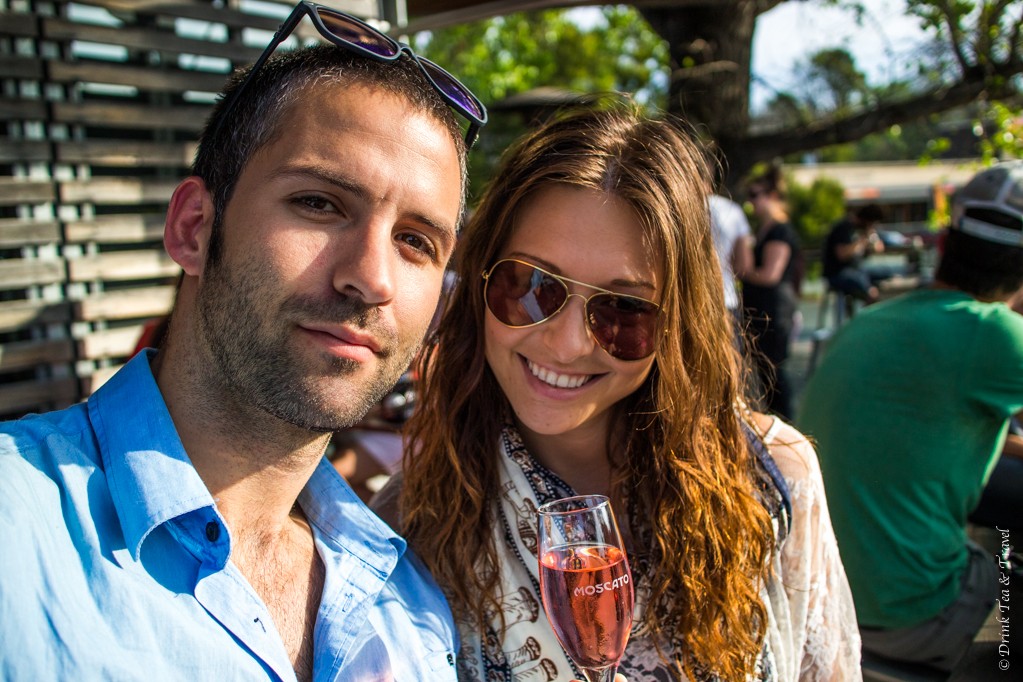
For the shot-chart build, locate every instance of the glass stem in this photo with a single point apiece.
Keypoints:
(600, 674)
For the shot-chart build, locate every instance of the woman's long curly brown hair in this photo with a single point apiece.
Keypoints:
(681, 465)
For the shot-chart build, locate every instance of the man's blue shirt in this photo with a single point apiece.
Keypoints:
(115, 563)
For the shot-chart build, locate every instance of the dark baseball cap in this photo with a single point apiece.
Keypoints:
(990, 206)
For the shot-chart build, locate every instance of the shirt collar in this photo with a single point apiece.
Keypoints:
(336, 511)
(152, 480)
(150, 476)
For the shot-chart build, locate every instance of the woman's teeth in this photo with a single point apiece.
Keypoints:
(555, 379)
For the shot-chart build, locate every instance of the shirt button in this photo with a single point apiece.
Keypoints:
(212, 531)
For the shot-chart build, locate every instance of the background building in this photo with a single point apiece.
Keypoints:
(908, 192)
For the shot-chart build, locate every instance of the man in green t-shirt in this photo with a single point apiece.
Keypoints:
(910, 410)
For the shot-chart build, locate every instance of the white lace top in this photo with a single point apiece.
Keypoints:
(812, 629)
(812, 633)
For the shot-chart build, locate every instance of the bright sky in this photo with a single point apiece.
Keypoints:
(882, 44)
(790, 32)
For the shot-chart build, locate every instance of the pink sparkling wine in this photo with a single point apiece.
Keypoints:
(587, 593)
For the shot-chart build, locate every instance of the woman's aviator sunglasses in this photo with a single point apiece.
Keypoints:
(519, 295)
(355, 35)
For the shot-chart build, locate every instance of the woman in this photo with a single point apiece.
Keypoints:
(528, 399)
(770, 295)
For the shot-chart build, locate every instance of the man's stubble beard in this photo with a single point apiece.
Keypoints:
(248, 340)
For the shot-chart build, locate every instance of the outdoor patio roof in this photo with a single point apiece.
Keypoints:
(429, 14)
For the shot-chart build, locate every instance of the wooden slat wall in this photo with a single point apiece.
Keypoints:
(101, 105)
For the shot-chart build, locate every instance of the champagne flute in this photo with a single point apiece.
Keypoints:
(585, 582)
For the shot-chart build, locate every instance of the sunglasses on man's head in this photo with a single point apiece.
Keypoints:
(355, 35)
(519, 295)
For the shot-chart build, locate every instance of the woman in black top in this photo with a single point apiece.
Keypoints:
(770, 290)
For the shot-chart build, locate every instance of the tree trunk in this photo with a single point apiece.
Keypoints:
(710, 45)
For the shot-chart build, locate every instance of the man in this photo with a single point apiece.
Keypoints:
(183, 524)
(733, 244)
(848, 243)
(910, 409)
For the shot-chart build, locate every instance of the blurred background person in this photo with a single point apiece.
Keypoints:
(848, 243)
(910, 409)
(733, 245)
(770, 290)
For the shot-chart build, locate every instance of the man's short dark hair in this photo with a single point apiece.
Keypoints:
(983, 269)
(868, 214)
(256, 119)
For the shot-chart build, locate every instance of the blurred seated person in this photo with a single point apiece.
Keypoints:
(1001, 505)
(910, 409)
(850, 241)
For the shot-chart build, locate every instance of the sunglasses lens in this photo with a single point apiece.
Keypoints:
(455, 91)
(358, 34)
(624, 326)
(520, 295)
